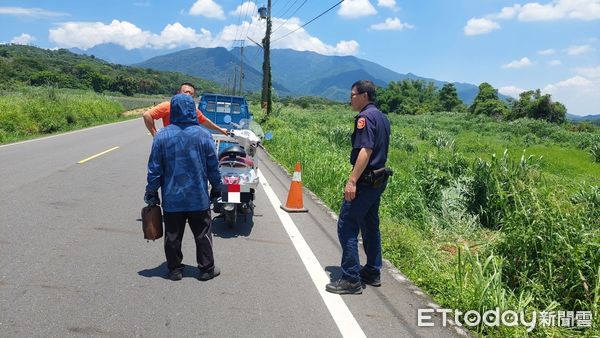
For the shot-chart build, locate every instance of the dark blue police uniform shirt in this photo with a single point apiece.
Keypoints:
(372, 131)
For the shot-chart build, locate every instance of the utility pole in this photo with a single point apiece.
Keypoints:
(241, 76)
(234, 80)
(266, 89)
(241, 67)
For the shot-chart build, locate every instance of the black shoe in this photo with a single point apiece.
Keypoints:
(208, 275)
(343, 287)
(369, 279)
(175, 275)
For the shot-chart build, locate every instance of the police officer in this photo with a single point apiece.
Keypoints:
(360, 207)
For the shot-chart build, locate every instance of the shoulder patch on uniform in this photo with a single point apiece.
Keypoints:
(360, 124)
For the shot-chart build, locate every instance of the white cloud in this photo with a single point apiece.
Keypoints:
(31, 12)
(524, 62)
(301, 40)
(480, 26)
(533, 11)
(175, 35)
(561, 9)
(554, 10)
(391, 4)
(356, 8)
(248, 8)
(507, 12)
(578, 49)
(579, 94)
(578, 81)
(554, 63)
(590, 72)
(207, 8)
(86, 35)
(511, 91)
(391, 25)
(547, 52)
(23, 39)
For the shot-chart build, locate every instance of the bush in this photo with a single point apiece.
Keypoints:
(495, 185)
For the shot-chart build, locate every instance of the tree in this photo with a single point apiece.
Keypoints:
(486, 102)
(533, 104)
(448, 98)
(408, 97)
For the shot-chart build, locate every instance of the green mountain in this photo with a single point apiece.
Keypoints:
(294, 72)
(595, 119)
(27, 65)
(216, 64)
(309, 73)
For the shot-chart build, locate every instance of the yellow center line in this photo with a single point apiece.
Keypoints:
(99, 154)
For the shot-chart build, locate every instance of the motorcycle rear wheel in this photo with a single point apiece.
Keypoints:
(231, 217)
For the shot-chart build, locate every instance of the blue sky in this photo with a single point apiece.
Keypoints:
(513, 45)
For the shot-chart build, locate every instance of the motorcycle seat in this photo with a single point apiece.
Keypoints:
(236, 162)
(233, 151)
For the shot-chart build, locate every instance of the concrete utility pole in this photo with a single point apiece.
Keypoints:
(266, 89)
(234, 80)
(241, 42)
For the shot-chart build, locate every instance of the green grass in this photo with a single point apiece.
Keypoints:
(35, 111)
(479, 213)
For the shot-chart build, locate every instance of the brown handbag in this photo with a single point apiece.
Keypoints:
(152, 222)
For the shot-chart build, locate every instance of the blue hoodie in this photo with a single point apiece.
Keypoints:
(183, 160)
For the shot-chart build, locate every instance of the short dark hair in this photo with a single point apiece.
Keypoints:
(365, 86)
(187, 84)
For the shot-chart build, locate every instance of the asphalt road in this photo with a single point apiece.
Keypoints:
(73, 261)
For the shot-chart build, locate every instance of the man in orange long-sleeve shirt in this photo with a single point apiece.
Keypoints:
(162, 111)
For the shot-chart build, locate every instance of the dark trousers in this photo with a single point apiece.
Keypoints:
(200, 223)
(362, 213)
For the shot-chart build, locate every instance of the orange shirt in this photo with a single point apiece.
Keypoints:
(163, 111)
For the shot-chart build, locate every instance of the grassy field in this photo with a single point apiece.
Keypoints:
(479, 213)
(36, 111)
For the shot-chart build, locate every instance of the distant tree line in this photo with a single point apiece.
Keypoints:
(417, 97)
(27, 65)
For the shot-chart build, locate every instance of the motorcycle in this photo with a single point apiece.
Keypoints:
(238, 165)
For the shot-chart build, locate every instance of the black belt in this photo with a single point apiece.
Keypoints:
(374, 177)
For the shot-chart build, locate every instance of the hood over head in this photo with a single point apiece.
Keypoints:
(183, 110)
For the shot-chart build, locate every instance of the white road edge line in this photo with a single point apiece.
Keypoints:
(342, 316)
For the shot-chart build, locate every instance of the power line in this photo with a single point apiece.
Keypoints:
(238, 25)
(318, 16)
(291, 15)
(286, 8)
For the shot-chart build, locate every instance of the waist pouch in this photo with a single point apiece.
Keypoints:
(375, 178)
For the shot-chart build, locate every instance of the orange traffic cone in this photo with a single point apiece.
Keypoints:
(294, 201)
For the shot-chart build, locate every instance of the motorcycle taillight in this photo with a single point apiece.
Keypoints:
(231, 180)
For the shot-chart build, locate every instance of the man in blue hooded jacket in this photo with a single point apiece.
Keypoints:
(181, 164)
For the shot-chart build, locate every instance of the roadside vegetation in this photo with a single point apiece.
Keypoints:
(482, 212)
(30, 66)
(28, 112)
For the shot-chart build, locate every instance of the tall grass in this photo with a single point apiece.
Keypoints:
(474, 229)
(33, 111)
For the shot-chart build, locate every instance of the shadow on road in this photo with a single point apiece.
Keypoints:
(242, 228)
(162, 271)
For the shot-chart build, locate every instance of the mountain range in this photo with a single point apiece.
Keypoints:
(296, 73)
